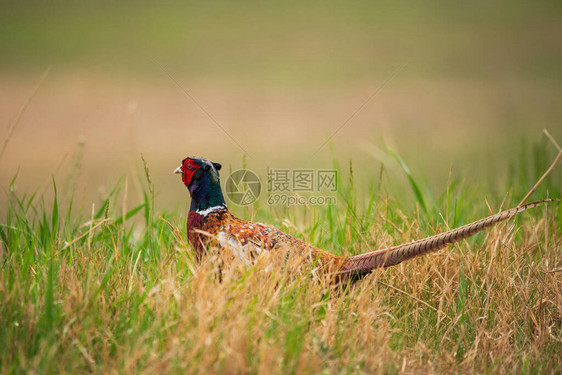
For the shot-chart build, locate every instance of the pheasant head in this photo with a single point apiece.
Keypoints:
(201, 177)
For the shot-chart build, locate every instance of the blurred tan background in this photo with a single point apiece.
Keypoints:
(459, 85)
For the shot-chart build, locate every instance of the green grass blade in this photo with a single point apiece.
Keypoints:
(130, 213)
(413, 184)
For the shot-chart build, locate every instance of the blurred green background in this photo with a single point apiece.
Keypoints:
(463, 85)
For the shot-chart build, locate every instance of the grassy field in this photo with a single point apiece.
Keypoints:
(114, 289)
(94, 279)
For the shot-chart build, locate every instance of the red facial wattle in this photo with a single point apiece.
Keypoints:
(188, 168)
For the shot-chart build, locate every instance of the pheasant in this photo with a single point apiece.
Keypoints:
(210, 223)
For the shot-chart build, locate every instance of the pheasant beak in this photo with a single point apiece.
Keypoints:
(178, 170)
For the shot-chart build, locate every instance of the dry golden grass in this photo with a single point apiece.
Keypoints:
(493, 305)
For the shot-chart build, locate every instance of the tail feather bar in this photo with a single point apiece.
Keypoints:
(364, 263)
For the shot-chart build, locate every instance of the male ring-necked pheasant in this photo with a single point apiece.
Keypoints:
(210, 223)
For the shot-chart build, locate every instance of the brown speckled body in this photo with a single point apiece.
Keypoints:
(202, 231)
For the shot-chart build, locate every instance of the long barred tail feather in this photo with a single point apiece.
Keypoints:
(363, 264)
